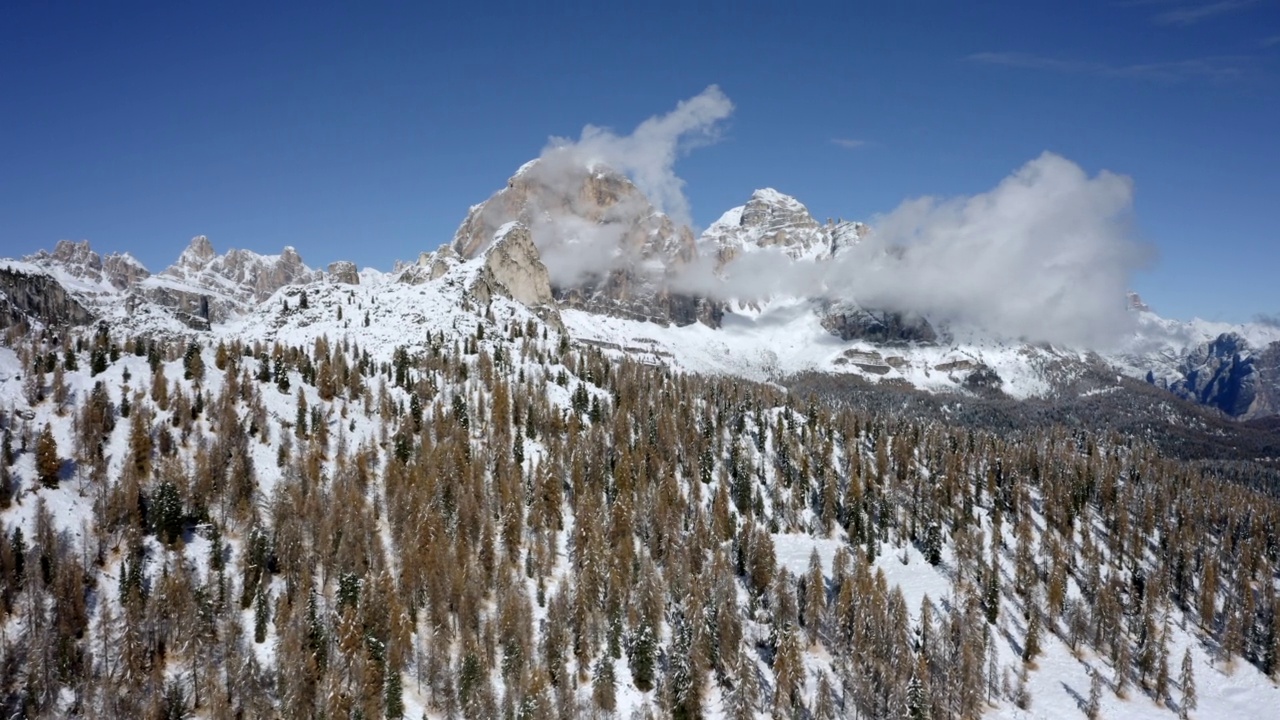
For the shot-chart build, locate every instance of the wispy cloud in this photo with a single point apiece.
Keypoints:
(1205, 68)
(848, 143)
(1192, 13)
(1271, 41)
(1266, 319)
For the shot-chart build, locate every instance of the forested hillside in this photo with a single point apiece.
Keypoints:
(491, 521)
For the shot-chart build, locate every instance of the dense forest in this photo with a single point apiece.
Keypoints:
(495, 522)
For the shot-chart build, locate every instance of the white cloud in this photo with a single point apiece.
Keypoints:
(648, 155)
(1046, 255)
(848, 143)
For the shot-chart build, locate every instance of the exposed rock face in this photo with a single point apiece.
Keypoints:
(1225, 374)
(772, 220)
(1267, 368)
(78, 260)
(876, 326)
(1228, 376)
(345, 272)
(605, 247)
(512, 268)
(36, 296)
(241, 274)
(195, 309)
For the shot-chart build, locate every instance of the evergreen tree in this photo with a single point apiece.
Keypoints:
(393, 695)
(260, 617)
(641, 652)
(1186, 678)
(744, 695)
(933, 544)
(1093, 707)
(917, 703)
(604, 684)
(1031, 644)
(48, 464)
(166, 512)
(788, 670)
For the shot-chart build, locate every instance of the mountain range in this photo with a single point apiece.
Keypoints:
(585, 248)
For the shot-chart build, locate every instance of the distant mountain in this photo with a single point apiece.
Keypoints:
(584, 248)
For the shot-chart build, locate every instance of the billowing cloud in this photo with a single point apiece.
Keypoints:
(1046, 255)
(648, 155)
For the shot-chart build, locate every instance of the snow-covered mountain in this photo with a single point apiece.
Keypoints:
(470, 487)
(624, 277)
(771, 219)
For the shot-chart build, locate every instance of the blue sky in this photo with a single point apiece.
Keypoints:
(365, 133)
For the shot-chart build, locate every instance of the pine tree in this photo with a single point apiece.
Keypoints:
(933, 544)
(1093, 707)
(742, 698)
(260, 617)
(393, 696)
(1162, 664)
(166, 512)
(1031, 645)
(917, 704)
(642, 653)
(1186, 678)
(604, 685)
(788, 669)
(6, 485)
(48, 464)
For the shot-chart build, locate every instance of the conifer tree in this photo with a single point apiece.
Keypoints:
(394, 693)
(642, 651)
(48, 464)
(744, 695)
(788, 670)
(1093, 707)
(604, 685)
(1186, 679)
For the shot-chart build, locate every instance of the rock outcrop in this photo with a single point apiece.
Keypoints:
(771, 220)
(606, 248)
(513, 268)
(345, 272)
(36, 296)
(876, 326)
(78, 260)
(1228, 375)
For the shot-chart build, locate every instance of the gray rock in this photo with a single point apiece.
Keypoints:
(39, 297)
(876, 326)
(344, 271)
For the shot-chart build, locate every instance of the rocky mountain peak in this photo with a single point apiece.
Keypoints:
(603, 243)
(198, 253)
(769, 219)
(343, 271)
(1136, 303)
(78, 253)
(773, 211)
(80, 261)
(513, 268)
(289, 256)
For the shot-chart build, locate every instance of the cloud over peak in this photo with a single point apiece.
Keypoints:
(648, 155)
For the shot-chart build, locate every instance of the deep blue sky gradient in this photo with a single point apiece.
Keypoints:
(364, 133)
